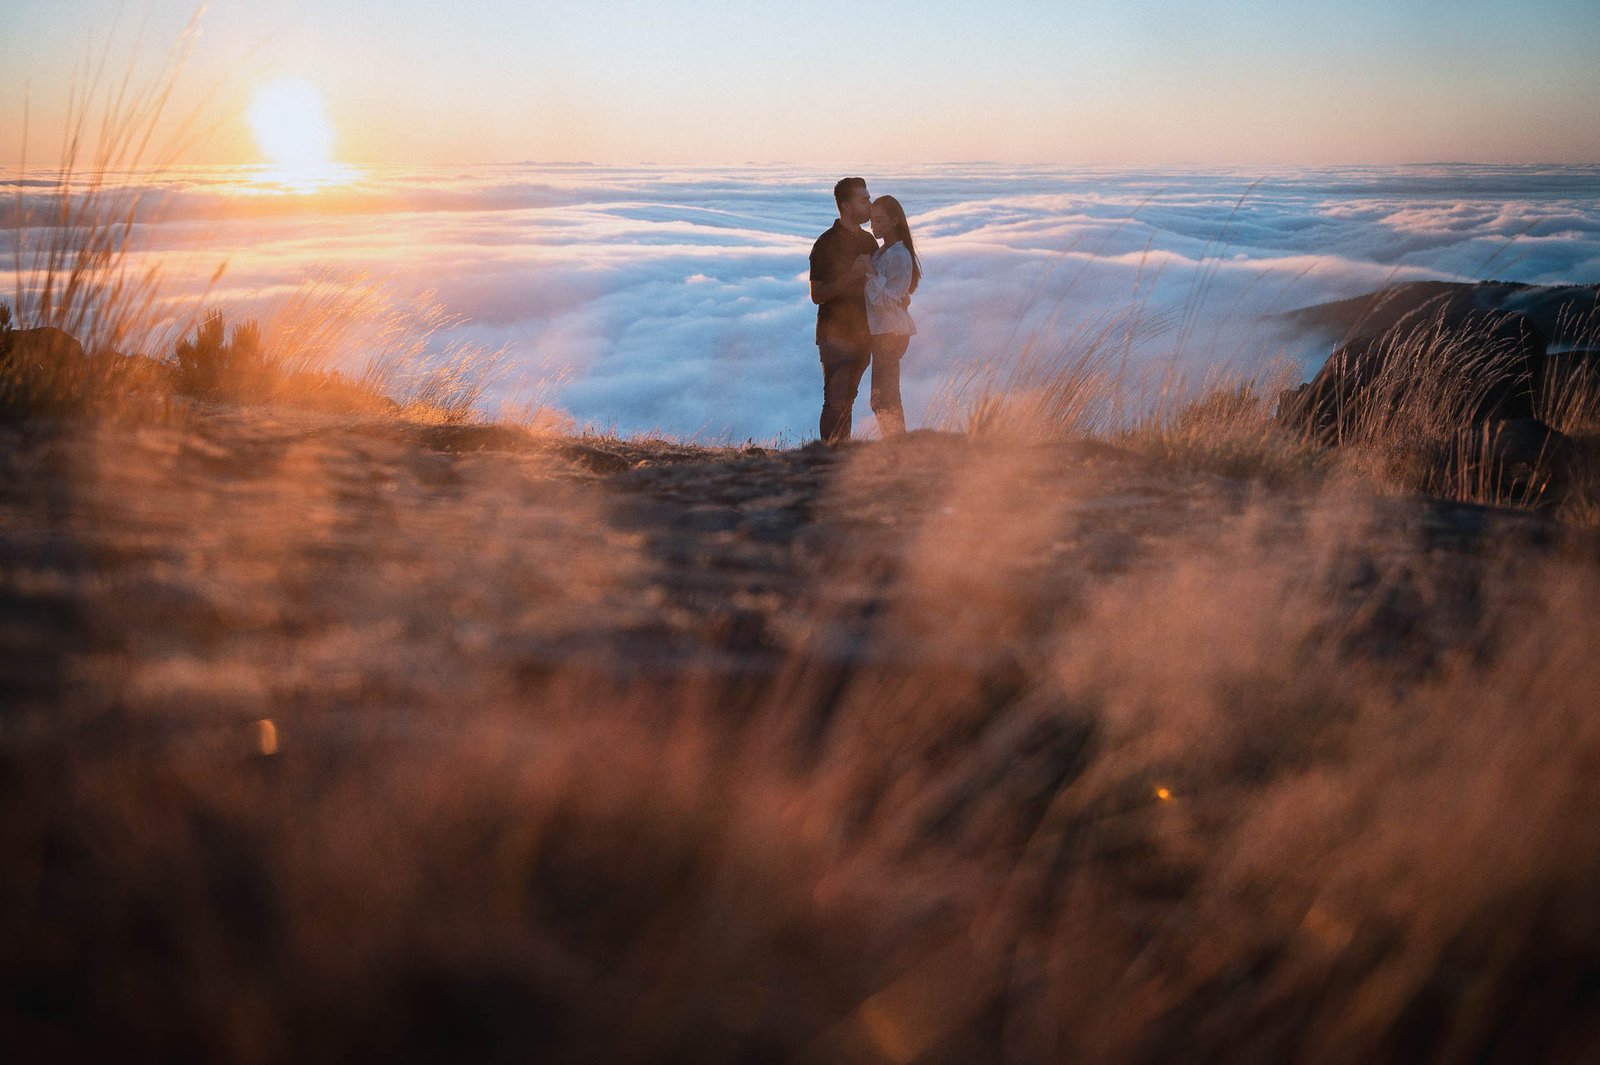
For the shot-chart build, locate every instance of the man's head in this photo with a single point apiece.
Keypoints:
(855, 206)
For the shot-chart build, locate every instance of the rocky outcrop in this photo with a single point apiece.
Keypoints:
(1560, 312)
(1497, 345)
(1472, 366)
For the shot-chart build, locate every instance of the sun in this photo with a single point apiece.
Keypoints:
(292, 130)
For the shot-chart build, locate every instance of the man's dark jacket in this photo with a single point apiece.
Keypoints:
(842, 321)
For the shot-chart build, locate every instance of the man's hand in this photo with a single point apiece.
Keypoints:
(858, 270)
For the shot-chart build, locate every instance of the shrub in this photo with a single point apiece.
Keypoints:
(216, 365)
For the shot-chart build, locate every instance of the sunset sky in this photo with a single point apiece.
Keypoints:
(673, 81)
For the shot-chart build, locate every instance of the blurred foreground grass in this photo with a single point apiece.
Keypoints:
(340, 737)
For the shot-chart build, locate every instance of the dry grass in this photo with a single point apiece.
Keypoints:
(1061, 384)
(71, 260)
(1228, 428)
(1569, 395)
(1411, 426)
(339, 338)
(388, 764)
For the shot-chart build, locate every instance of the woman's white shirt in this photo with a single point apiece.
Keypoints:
(887, 287)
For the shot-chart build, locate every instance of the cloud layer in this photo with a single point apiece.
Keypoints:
(675, 299)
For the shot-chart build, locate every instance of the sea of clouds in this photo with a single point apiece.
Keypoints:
(674, 299)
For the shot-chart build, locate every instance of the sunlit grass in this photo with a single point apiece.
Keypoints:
(1414, 425)
(72, 265)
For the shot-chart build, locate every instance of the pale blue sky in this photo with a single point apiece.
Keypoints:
(1160, 81)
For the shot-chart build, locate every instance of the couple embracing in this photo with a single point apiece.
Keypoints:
(862, 291)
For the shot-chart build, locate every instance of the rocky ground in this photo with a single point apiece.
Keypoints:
(931, 640)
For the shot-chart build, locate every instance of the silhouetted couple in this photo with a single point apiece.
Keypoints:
(862, 292)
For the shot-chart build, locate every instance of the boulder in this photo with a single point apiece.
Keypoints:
(47, 345)
(1561, 312)
(45, 363)
(1514, 459)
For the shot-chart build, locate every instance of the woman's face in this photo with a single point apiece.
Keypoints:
(882, 223)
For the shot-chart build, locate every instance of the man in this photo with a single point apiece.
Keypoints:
(840, 260)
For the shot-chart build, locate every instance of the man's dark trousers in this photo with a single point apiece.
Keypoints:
(842, 367)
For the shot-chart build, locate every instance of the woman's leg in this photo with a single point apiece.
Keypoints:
(886, 407)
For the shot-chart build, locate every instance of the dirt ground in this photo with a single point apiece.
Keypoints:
(255, 559)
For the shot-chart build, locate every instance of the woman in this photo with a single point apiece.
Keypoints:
(893, 278)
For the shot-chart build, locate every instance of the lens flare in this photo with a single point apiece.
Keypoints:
(267, 736)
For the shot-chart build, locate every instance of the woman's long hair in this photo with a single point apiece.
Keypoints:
(902, 232)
